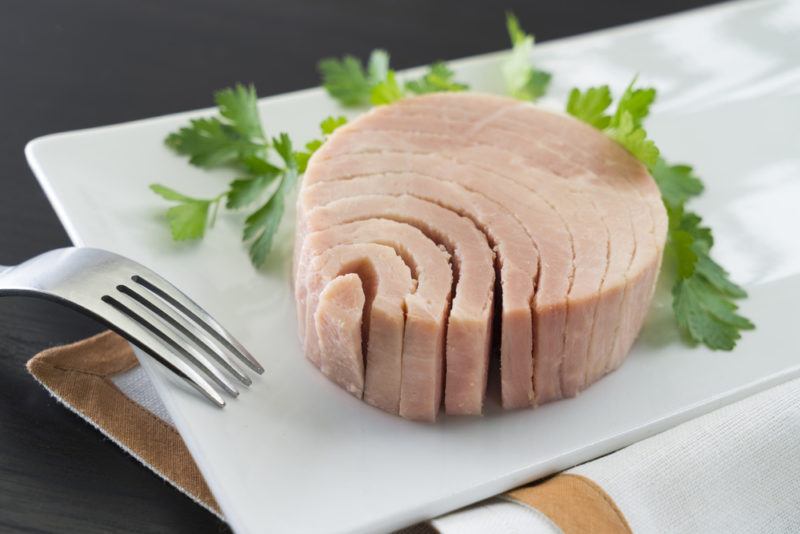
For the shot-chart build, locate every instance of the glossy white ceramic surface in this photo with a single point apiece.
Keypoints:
(296, 454)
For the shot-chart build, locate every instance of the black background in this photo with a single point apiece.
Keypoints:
(81, 63)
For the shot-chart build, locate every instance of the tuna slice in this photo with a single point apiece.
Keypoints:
(338, 321)
(384, 281)
(422, 366)
(575, 223)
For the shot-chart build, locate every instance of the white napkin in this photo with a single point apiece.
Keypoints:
(735, 470)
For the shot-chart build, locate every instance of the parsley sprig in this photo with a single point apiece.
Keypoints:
(523, 80)
(625, 125)
(703, 296)
(353, 85)
(189, 218)
(236, 140)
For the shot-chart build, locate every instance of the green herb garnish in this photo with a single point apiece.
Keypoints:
(326, 127)
(703, 294)
(523, 81)
(236, 140)
(439, 78)
(189, 217)
(353, 85)
(386, 91)
(625, 125)
(347, 81)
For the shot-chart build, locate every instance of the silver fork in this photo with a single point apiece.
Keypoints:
(139, 305)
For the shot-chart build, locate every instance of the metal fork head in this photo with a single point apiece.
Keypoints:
(141, 306)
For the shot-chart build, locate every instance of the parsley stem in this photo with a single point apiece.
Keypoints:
(215, 202)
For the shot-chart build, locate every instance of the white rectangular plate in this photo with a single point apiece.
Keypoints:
(296, 454)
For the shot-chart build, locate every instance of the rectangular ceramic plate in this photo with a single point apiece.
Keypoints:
(296, 454)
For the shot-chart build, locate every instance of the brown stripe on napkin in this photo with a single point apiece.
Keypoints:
(574, 503)
(79, 374)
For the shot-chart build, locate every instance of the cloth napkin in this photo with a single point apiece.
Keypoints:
(734, 470)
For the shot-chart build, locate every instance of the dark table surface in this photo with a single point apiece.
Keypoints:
(82, 63)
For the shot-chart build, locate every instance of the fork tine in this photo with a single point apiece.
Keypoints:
(133, 331)
(199, 336)
(187, 306)
(139, 313)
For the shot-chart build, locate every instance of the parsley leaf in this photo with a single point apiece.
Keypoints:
(439, 78)
(255, 165)
(717, 277)
(625, 126)
(635, 102)
(239, 106)
(327, 127)
(523, 81)
(245, 191)
(677, 182)
(705, 316)
(515, 31)
(691, 223)
(378, 66)
(387, 91)
(189, 218)
(331, 124)
(261, 225)
(212, 142)
(682, 245)
(208, 143)
(345, 80)
(703, 297)
(633, 138)
(590, 106)
(283, 146)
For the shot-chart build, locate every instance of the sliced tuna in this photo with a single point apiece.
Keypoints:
(570, 214)
(338, 321)
(426, 309)
(386, 282)
(470, 323)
